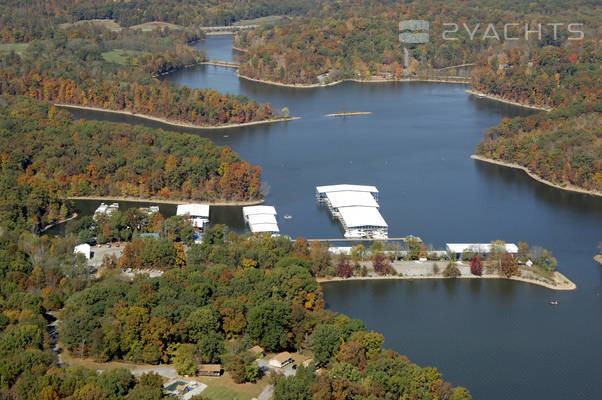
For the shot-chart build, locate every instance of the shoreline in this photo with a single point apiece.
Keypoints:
(162, 201)
(62, 221)
(563, 286)
(503, 100)
(598, 258)
(172, 122)
(568, 187)
(319, 85)
(349, 113)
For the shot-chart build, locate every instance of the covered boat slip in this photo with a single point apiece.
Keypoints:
(362, 218)
(261, 219)
(350, 199)
(321, 191)
(356, 207)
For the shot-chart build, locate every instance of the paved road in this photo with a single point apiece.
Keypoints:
(267, 393)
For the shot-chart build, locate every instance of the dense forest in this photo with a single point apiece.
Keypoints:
(359, 40)
(91, 66)
(47, 155)
(563, 146)
(230, 293)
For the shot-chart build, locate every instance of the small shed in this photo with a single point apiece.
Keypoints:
(281, 360)
(209, 369)
(257, 351)
(84, 249)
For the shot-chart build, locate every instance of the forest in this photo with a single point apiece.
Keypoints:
(47, 156)
(94, 67)
(563, 146)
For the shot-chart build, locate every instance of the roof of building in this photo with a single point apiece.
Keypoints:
(255, 210)
(478, 247)
(209, 367)
(258, 228)
(256, 349)
(348, 198)
(342, 188)
(194, 210)
(261, 219)
(282, 357)
(152, 234)
(355, 217)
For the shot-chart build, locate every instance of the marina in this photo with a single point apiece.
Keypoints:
(356, 208)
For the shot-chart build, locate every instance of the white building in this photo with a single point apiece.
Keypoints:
(477, 248)
(261, 219)
(281, 360)
(356, 207)
(106, 209)
(84, 249)
(198, 214)
(322, 190)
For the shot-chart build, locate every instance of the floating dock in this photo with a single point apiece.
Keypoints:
(261, 219)
(356, 207)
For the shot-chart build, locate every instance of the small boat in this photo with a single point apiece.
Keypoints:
(554, 302)
(288, 216)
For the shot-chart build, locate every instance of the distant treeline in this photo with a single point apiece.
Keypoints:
(23, 21)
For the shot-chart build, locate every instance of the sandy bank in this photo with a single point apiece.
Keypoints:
(62, 221)
(172, 122)
(571, 188)
(318, 85)
(503, 100)
(598, 258)
(351, 113)
(162, 201)
(561, 281)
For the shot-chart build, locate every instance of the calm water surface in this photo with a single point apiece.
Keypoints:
(501, 339)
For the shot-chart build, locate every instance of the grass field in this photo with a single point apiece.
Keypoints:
(149, 26)
(18, 48)
(106, 23)
(260, 21)
(224, 388)
(119, 56)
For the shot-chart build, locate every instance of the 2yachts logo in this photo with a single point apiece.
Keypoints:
(410, 31)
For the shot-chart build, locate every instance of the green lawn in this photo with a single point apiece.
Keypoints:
(259, 21)
(18, 48)
(224, 393)
(119, 56)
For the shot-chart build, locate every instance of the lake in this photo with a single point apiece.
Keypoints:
(500, 339)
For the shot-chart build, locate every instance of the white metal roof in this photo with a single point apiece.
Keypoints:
(356, 217)
(343, 188)
(478, 247)
(351, 198)
(194, 210)
(253, 210)
(264, 228)
(84, 249)
(261, 219)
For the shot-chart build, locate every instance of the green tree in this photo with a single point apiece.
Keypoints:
(325, 341)
(185, 359)
(269, 323)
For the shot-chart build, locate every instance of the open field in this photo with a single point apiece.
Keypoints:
(18, 48)
(149, 26)
(260, 21)
(119, 56)
(106, 23)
